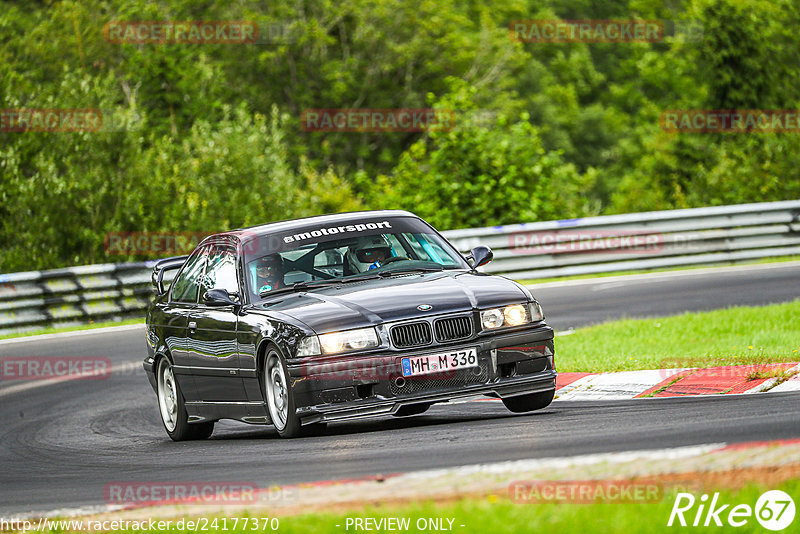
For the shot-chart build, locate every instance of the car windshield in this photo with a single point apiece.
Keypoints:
(332, 258)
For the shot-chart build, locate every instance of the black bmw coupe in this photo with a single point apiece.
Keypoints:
(304, 322)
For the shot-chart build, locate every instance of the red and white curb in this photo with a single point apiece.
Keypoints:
(736, 379)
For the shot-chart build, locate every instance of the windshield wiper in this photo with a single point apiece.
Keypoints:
(390, 273)
(410, 270)
(360, 278)
(301, 286)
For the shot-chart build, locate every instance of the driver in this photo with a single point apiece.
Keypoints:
(269, 273)
(371, 252)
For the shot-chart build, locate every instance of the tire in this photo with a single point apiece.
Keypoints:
(279, 397)
(411, 409)
(529, 403)
(173, 410)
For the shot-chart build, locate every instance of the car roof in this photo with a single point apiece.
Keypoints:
(251, 232)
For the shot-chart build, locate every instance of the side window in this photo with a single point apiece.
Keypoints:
(221, 271)
(187, 283)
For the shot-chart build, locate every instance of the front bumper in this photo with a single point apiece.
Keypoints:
(347, 387)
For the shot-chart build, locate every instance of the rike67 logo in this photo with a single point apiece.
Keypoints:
(774, 510)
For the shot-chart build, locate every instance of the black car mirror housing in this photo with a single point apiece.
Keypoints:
(219, 297)
(481, 255)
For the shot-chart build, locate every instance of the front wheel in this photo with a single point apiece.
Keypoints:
(280, 399)
(529, 403)
(173, 409)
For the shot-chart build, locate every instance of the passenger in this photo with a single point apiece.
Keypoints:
(269, 273)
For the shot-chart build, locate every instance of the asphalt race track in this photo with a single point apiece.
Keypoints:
(584, 302)
(62, 442)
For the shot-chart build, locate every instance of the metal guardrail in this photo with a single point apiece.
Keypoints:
(634, 241)
(651, 240)
(73, 296)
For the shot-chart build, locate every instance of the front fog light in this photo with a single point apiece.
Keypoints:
(515, 315)
(491, 319)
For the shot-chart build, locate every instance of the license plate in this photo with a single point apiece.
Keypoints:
(440, 362)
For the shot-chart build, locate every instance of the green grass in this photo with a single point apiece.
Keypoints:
(90, 326)
(777, 259)
(734, 336)
(483, 516)
(498, 515)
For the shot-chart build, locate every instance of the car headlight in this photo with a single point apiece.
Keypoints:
(362, 338)
(513, 315)
(492, 319)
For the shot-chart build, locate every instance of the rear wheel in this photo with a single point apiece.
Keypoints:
(173, 409)
(529, 403)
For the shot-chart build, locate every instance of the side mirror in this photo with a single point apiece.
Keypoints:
(219, 297)
(481, 255)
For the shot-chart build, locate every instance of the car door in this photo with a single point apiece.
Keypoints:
(212, 329)
(182, 303)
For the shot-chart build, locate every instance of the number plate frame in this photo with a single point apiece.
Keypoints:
(440, 362)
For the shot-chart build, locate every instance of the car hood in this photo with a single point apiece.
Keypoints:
(370, 302)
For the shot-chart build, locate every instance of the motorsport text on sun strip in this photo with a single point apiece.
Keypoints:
(333, 230)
